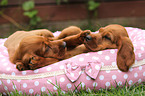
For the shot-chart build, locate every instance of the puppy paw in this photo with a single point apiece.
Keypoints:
(85, 33)
(35, 62)
(20, 66)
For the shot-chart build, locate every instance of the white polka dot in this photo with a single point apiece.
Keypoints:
(68, 65)
(61, 67)
(23, 72)
(0, 82)
(36, 71)
(114, 77)
(107, 71)
(101, 77)
(13, 73)
(43, 89)
(20, 92)
(107, 84)
(113, 63)
(72, 74)
(139, 81)
(88, 78)
(25, 85)
(90, 70)
(8, 81)
(112, 51)
(95, 58)
(102, 63)
(82, 84)
(55, 87)
(119, 71)
(5, 87)
(139, 55)
(81, 59)
(140, 67)
(36, 83)
(87, 54)
(5, 64)
(31, 91)
(125, 76)
(107, 58)
(3, 60)
(97, 67)
(143, 73)
(119, 83)
(8, 69)
(130, 82)
(18, 80)
(14, 87)
(49, 81)
(95, 84)
(135, 75)
(130, 69)
(142, 48)
(69, 85)
(48, 68)
(100, 52)
(62, 79)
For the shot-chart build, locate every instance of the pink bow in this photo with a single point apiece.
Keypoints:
(74, 70)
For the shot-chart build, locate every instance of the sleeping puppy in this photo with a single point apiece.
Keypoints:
(73, 47)
(23, 46)
(112, 37)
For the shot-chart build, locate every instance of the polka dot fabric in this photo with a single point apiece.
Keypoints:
(83, 70)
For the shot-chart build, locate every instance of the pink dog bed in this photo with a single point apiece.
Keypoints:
(90, 70)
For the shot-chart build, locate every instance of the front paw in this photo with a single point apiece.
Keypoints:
(35, 62)
(20, 66)
(85, 33)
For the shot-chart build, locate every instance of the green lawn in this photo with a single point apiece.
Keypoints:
(134, 90)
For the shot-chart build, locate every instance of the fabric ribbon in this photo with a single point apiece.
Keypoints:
(74, 70)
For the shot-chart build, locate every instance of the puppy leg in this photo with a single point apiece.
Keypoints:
(125, 55)
(78, 50)
(75, 40)
(38, 62)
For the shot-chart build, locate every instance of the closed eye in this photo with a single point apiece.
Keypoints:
(47, 48)
(106, 37)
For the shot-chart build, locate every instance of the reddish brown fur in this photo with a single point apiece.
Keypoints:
(112, 37)
(26, 48)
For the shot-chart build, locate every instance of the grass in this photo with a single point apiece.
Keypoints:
(134, 90)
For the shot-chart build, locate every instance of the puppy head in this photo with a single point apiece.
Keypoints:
(92, 41)
(42, 46)
(106, 38)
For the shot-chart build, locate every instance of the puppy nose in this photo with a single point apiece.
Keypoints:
(64, 44)
(88, 38)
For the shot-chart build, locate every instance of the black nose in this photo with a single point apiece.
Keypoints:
(88, 38)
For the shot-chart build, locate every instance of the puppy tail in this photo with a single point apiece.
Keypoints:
(125, 54)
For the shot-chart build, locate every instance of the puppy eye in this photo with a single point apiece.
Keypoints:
(107, 37)
(47, 48)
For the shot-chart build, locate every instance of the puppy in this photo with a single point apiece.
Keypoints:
(23, 47)
(113, 37)
(73, 47)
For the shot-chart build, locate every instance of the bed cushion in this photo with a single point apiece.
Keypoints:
(90, 70)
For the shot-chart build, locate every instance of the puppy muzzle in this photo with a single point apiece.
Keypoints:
(88, 38)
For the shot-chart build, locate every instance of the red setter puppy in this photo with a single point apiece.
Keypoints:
(25, 48)
(112, 37)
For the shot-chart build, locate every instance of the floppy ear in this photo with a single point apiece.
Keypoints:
(125, 54)
(108, 36)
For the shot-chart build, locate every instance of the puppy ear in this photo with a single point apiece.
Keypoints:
(101, 29)
(125, 54)
(108, 36)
